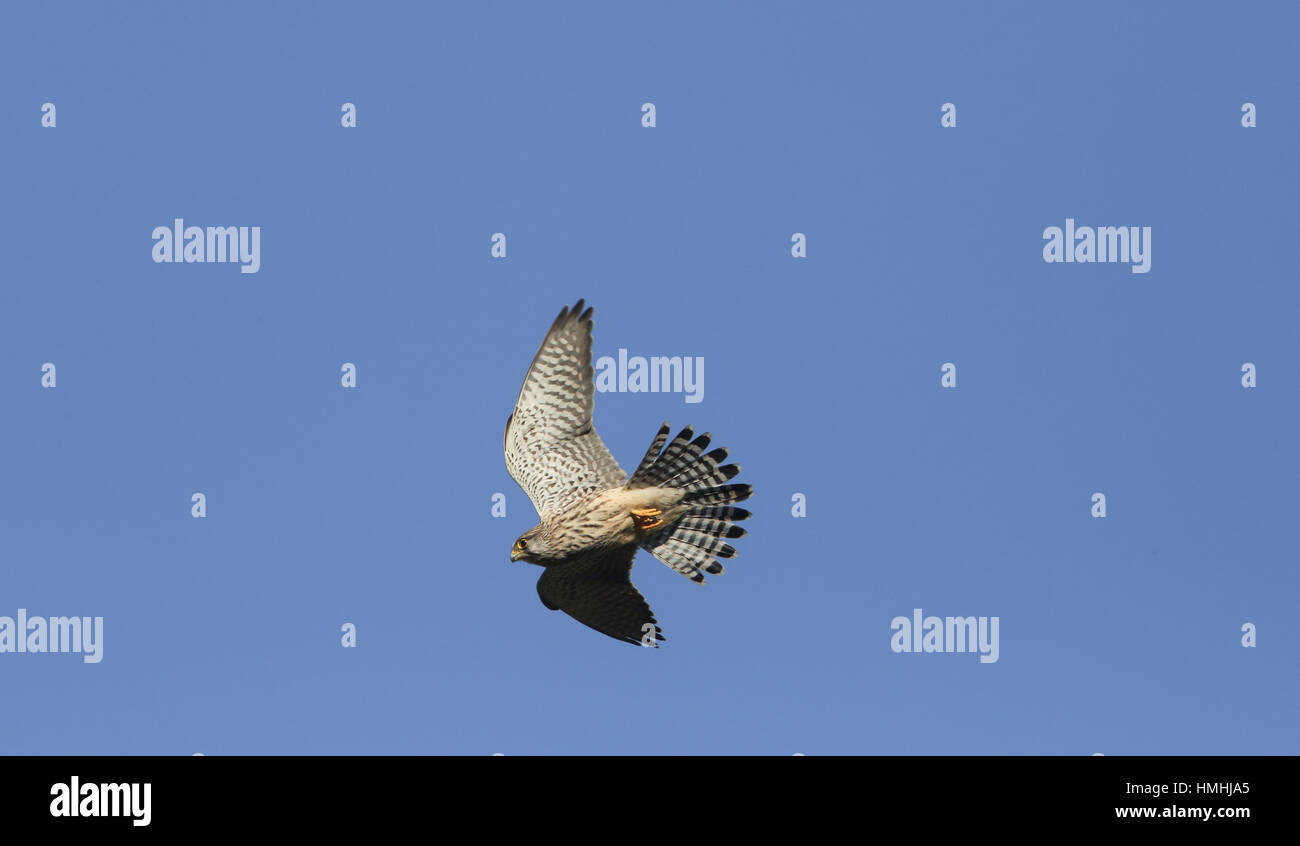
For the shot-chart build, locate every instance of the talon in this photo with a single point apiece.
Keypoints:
(646, 518)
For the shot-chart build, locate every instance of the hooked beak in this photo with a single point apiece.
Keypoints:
(515, 555)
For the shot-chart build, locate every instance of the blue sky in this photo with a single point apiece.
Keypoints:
(372, 505)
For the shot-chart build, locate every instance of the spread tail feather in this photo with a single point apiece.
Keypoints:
(693, 542)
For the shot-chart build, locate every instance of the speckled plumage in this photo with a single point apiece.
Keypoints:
(593, 516)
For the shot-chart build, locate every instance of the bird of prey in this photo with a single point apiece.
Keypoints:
(676, 504)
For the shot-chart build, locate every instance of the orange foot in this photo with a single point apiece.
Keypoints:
(646, 518)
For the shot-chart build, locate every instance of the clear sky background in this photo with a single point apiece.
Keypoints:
(372, 506)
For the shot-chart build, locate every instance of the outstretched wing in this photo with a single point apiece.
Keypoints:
(552, 449)
(597, 591)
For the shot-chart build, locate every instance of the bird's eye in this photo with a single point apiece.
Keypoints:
(523, 544)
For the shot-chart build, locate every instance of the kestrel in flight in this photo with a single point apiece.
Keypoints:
(676, 504)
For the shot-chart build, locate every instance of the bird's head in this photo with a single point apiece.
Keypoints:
(530, 547)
